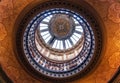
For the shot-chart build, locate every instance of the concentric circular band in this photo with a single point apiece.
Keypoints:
(39, 56)
(58, 42)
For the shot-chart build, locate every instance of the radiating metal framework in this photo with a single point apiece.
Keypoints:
(58, 40)
(51, 63)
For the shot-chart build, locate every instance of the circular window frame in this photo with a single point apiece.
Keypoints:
(33, 9)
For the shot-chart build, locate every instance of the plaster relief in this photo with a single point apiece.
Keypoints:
(114, 60)
(6, 7)
(116, 39)
(114, 12)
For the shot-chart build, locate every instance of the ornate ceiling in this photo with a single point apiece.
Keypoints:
(48, 51)
(110, 59)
